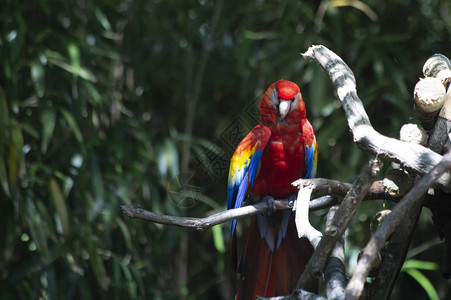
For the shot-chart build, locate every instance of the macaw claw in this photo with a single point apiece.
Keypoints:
(292, 201)
(270, 201)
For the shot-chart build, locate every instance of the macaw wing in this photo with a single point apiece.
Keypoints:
(244, 166)
(310, 148)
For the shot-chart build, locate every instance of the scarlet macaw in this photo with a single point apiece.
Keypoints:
(278, 151)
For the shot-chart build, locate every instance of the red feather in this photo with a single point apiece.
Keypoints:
(268, 274)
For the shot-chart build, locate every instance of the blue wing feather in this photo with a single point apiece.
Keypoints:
(238, 193)
(310, 148)
(310, 159)
(244, 167)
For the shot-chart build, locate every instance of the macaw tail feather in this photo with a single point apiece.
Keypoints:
(268, 273)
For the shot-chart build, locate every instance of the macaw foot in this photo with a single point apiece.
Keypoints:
(292, 201)
(270, 201)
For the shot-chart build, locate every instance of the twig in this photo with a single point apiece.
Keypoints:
(412, 156)
(134, 211)
(388, 225)
(338, 226)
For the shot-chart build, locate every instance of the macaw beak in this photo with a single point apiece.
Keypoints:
(284, 108)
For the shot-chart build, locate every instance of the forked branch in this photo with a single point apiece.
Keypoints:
(411, 156)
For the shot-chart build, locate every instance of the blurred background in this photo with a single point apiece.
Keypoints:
(109, 103)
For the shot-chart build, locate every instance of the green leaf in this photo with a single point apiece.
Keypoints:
(97, 263)
(4, 178)
(125, 234)
(168, 159)
(102, 19)
(60, 204)
(37, 227)
(74, 55)
(420, 265)
(72, 124)
(59, 60)
(15, 153)
(218, 238)
(48, 118)
(29, 129)
(3, 121)
(131, 285)
(38, 77)
(424, 282)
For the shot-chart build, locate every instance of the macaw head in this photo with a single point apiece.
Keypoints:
(282, 102)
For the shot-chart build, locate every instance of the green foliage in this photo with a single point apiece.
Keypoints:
(104, 103)
(412, 268)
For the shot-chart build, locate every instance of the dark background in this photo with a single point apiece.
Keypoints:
(105, 103)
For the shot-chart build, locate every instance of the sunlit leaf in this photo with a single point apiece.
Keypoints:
(218, 238)
(420, 265)
(38, 77)
(74, 56)
(72, 125)
(60, 204)
(59, 60)
(363, 7)
(168, 160)
(424, 282)
(48, 120)
(102, 19)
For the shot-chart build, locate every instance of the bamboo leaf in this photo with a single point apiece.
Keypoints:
(102, 19)
(218, 238)
(38, 77)
(3, 121)
(37, 228)
(420, 265)
(15, 154)
(424, 282)
(60, 204)
(72, 125)
(4, 178)
(74, 56)
(48, 120)
(97, 264)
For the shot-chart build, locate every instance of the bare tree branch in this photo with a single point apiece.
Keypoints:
(412, 156)
(315, 266)
(334, 273)
(134, 211)
(388, 225)
(333, 192)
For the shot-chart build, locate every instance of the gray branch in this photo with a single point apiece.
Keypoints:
(334, 273)
(316, 264)
(411, 156)
(388, 225)
(331, 191)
